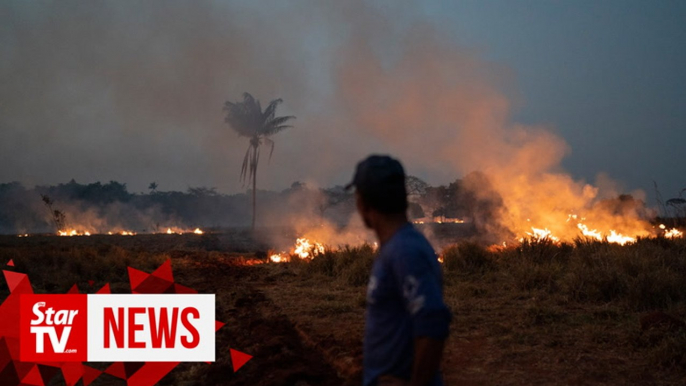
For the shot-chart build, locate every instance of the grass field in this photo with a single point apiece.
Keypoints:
(539, 313)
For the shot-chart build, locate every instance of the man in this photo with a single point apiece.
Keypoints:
(406, 320)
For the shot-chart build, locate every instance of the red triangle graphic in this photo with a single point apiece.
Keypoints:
(48, 372)
(72, 372)
(33, 377)
(151, 373)
(164, 271)
(11, 263)
(73, 290)
(154, 285)
(14, 279)
(90, 374)
(238, 359)
(136, 277)
(117, 370)
(105, 289)
(218, 325)
(23, 368)
(130, 368)
(5, 356)
(180, 289)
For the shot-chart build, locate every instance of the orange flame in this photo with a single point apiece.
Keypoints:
(303, 248)
(671, 233)
(72, 232)
(279, 258)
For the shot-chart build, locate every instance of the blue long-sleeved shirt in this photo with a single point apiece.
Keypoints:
(404, 302)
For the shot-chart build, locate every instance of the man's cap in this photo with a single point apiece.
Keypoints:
(377, 172)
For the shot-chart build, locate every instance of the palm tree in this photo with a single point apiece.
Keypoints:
(248, 120)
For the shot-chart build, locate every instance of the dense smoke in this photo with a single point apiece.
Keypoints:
(133, 92)
(442, 108)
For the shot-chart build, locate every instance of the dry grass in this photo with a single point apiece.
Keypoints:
(545, 313)
(538, 313)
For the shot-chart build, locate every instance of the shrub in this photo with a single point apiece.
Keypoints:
(351, 265)
(467, 258)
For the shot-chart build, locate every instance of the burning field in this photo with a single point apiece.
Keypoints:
(541, 310)
(552, 280)
(556, 273)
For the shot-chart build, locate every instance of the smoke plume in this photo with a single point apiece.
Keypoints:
(133, 92)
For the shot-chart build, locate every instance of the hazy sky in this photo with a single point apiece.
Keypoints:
(133, 91)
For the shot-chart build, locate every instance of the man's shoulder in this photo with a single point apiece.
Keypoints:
(408, 242)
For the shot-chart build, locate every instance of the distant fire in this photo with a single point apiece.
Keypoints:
(73, 232)
(671, 233)
(123, 232)
(279, 258)
(611, 235)
(303, 249)
(618, 238)
(573, 228)
(180, 231)
(540, 234)
(576, 226)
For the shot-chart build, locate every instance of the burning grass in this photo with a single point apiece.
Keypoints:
(544, 312)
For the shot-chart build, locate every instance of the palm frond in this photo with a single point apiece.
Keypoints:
(229, 105)
(270, 111)
(248, 99)
(269, 142)
(275, 125)
(278, 121)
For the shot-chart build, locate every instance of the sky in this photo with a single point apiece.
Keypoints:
(133, 91)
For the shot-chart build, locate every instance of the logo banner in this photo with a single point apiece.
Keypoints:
(117, 328)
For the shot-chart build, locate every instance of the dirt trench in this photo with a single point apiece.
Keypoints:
(254, 325)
